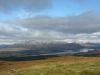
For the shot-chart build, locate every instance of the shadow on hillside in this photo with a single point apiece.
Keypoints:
(26, 58)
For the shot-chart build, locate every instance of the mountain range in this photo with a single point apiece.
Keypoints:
(48, 48)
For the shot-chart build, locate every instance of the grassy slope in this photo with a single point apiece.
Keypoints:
(53, 66)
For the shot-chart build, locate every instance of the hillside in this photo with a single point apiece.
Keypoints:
(39, 48)
(33, 48)
(89, 53)
(53, 66)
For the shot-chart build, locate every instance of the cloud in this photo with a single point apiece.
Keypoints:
(81, 28)
(88, 22)
(26, 5)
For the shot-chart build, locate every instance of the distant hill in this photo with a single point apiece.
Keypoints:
(48, 48)
(89, 53)
(39, 48)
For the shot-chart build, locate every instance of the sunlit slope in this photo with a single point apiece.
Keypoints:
(53, 66)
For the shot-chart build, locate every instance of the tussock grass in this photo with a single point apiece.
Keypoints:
(59, 68)
(65, 69)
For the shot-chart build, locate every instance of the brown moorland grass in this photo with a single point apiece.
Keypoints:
(7, 65)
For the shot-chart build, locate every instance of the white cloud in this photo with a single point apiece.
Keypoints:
(82, 28)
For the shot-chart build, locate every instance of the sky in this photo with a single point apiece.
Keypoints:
(60, 20)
